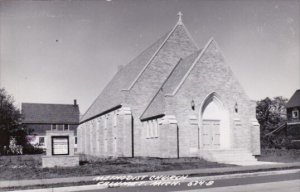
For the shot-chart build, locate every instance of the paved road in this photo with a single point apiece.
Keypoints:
(278, 183)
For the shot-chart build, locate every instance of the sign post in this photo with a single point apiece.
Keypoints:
(60, 149)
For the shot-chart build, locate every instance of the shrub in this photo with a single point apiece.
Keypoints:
(30, 149)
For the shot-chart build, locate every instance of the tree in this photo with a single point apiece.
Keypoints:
(271, 115)
(10, 123)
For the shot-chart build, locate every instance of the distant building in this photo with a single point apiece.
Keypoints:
(293, 116)
(41, 117)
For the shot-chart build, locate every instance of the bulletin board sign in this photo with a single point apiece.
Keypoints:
(60, 145)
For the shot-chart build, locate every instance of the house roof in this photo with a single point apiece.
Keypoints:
(50, 113)
(115, 92)
(294, 100)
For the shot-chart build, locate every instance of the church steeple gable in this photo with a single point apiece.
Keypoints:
(179, 22)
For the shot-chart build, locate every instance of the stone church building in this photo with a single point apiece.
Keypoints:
(173, 100)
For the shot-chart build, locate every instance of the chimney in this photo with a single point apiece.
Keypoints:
(75, 102)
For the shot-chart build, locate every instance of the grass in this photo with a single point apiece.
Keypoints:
(29, 167)
(280, 155)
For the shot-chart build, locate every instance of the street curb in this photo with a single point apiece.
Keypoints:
(190, 172)
(148, 183)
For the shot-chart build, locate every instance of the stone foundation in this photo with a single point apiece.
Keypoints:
(60, 161)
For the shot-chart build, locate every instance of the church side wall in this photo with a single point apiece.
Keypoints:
(107, 136)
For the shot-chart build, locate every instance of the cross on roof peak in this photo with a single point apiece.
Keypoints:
(179, 18)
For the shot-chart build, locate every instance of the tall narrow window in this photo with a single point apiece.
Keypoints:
(115, 144)
(149, 128)
(155, 128)
(54, 126)
(41, 141)
(105, 122)
(295, 114)
(115, 119)
(105, 146)
(152, 128)
(66, 127)
(146, 125)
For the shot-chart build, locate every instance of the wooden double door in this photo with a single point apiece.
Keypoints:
(211, 134)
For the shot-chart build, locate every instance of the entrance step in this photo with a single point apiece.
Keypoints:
(229, 156)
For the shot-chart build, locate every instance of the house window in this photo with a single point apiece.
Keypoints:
(66, 127)
(75, 140)
(42, 141)
(54, 126)
(295, 114)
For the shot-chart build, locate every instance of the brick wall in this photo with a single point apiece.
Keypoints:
(179, 45)
(212, 74)
(107, 136)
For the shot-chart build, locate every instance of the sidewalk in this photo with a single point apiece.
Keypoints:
(190, 173)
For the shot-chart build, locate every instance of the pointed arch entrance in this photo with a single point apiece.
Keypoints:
(214, 124)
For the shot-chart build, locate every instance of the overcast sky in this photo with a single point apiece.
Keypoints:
(56, 51)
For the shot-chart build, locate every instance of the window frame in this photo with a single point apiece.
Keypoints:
(295, 111)
(53, 126)
(41, 144)
(151, 127)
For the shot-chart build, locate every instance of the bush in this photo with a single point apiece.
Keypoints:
(30, 149)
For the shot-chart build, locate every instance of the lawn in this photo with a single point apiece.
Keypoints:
(280, 155)
(29, 167)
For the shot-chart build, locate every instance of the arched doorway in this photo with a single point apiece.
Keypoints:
(214, 124)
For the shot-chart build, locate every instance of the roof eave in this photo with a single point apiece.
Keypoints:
(152, 117)
(102, 113)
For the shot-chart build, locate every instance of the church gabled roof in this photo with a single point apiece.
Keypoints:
(174, 82)
(157, 105)
(114, 93)
(294, 100)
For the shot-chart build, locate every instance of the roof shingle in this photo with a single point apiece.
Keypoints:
(294, 100)
(112, 94)
(50, 113)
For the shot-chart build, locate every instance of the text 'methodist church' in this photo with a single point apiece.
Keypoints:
(173, 100)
